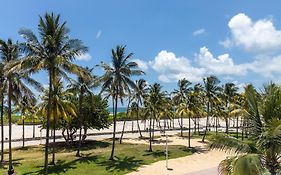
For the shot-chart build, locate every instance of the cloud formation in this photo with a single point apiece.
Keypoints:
(253, 36)
(223, 64)
(199, 32)
(172, 68)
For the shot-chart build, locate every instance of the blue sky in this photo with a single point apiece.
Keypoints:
(239, 41)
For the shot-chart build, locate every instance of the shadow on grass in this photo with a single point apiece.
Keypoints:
(16, 162)
(62, 166)
(122, 164)
(156, 154)
(85, 145)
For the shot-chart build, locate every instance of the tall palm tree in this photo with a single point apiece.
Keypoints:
(84, 84)
(2, 90)
(198, 92)
(139, 94)
(153, 105)
(262, 152)
(127, 114)
(24, 106)
(180, 95)
(229, 92)
(54, 52)
(211, 89)
(118, 77)
(14, 82)
(62, 107)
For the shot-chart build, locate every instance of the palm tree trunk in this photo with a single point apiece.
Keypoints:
(195, 125)
(2, 127)
(189, 131)
(11, 169)
(33, 131)
(138, 119)
(237, 126)
(114, 124)
(121, 137)
(23, 132)
(54, 144)
(216, 118)
(153, 124)
(181, 126)
(226, 125)
(132, 125)
(207, 121)
(80, 121)
(48, 121)
(150, 136)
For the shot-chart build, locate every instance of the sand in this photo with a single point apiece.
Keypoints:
(202, 162)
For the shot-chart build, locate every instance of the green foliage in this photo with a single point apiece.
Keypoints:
(94, 112)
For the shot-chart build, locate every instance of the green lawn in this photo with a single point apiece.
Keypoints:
(95, 158)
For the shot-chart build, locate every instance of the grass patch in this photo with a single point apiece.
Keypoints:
(29, 161)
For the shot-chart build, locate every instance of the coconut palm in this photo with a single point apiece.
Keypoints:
(15, 79)
(262, 152)
(167, 112)
(211, 90)
(198, 92)
(84, 84)
(2, 90)
(229, 92)
(152, 107)
(127, 114)
(139, 94)
(24, 106)
(180, 94)
(62, 108)
(118, 78)
(54, 52)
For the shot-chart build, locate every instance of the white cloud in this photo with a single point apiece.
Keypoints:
(222, 65)
(84, 57)
(199, 32)
(172, 68)
(253, 36)
(98, 35)
(142, 64)
(267, 66)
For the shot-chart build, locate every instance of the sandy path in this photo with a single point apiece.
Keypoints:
(201, 161)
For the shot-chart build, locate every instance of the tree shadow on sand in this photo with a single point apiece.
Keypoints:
(122, 164)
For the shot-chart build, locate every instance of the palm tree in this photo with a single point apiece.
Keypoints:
(140, 92)
(24, 106)
(211, 90)
(62, 107)
(229, 92)
(153, 104)
(83, 85)
(2, 90)
(127, 114)
(14, 81)
(118, 78)
(198, 92)
(54, 52)
(180, 95)
(262, 152)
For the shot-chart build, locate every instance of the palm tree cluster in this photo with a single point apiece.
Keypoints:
(261, 153)
(69, 104)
